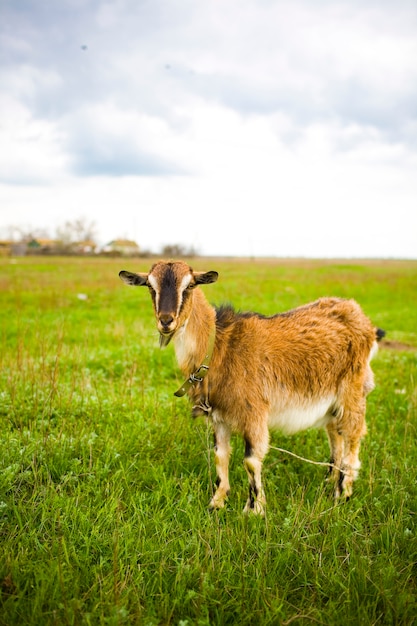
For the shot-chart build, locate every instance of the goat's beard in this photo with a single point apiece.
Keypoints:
(164, 340)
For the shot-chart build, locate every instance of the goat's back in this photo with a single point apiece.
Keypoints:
(308, 350)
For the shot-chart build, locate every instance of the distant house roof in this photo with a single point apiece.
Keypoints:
(87, 242)
(122, 246)
(87, 245)
(125, 243)
(42, 243)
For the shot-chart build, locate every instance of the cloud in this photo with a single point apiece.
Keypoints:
(32, 150)
(107, 141)
(250, 113)
(252, 57)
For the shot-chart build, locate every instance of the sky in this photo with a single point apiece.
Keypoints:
(234, 127)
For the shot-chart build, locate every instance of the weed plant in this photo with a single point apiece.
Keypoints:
(105, 478)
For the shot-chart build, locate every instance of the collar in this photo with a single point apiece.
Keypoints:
(202, 371)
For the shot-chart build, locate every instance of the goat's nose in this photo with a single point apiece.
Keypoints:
(166, 319)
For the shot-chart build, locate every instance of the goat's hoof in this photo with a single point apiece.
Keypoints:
(342, 496)
(216, 504)
(254, 508)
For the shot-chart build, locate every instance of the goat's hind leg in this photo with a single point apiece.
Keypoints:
(351, 463)
(336, 444)
(222, 452)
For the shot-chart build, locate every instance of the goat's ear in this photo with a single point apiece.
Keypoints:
(137, 280)
(204, 278)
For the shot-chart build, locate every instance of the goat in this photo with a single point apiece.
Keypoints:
(308, 367)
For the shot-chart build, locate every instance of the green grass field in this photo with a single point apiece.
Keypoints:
(105, 478)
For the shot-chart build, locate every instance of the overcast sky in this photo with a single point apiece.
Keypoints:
(239, 127)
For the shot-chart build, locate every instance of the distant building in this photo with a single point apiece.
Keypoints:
(122, 247)
(42, 246)
(84, 247)
(5, 247)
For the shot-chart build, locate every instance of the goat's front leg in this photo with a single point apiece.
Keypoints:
(221, 455)
(345, 441)
(256, 447)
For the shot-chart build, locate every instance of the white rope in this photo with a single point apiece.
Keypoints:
(332, 465)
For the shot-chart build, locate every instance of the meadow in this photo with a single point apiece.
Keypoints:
(105, 478)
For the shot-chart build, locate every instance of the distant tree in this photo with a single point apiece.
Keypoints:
(26, 233)
(75, 231)
(178, 250)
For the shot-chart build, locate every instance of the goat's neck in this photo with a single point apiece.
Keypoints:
(192, 340)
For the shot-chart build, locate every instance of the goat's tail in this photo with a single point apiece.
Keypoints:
(379, 333)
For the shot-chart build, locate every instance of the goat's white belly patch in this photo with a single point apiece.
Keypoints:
(292, 418)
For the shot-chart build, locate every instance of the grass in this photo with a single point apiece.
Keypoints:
(105, 479)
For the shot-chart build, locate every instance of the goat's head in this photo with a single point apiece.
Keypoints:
(170, 285)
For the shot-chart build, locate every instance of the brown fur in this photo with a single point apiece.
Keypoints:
(306, 367)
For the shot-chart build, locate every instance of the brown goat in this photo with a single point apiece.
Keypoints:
(305, 368)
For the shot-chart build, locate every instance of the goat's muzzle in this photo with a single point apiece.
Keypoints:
(166, 327)
(165, 321)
